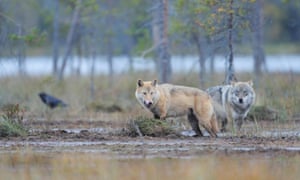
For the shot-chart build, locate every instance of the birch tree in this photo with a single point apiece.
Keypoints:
(70, 38)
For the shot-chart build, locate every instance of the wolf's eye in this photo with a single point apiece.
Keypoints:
(144, 93)
(151, 93)
(245, 93)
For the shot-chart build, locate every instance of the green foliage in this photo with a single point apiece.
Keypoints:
(130, 22)
(11, 121)
(209, 18)
(139, 33)
(142, 40)
(33, 38)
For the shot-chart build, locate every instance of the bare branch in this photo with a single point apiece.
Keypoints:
(144, 53)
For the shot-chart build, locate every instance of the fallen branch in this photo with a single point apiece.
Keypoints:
(137, 129)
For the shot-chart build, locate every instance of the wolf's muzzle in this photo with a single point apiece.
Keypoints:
(148, 103)
(241, 100)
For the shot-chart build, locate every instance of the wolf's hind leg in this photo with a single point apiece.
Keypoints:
(206, 121)
(194, 123)
(224, 122)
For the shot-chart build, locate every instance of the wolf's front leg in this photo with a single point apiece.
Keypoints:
(224, 124)
(159, 116)
(163, 116)
(163, 112)
(232, 124)
(238, 123)
(156, 116)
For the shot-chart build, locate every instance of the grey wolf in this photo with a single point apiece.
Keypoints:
(232, 102)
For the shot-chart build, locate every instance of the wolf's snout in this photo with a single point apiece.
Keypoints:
(241, 100)
(148, 103)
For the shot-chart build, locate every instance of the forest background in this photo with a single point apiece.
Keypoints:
(63, 29)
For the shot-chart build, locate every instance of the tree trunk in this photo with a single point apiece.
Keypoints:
(55, 37)
(212, 52)
(163, 56)
(258, 51)
(92, 75)
(230, 69)
(212, 64)
(79, 52)
(109, 34)
(74, 24)
(199, 41)
(110, 61)
(130, 61)
(21, 53)
(155, 31)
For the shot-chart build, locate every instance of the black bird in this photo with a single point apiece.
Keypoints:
(51, 101)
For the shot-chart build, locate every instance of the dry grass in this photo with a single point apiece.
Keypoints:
(92, 166)
(279, 91)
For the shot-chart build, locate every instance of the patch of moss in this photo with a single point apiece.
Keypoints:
(149, 127)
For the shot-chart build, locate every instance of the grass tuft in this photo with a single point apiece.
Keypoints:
(11, 127)
(265, 113)
(11, 122)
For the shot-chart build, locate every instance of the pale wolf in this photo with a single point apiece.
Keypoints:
(232, 102)
(167, 100)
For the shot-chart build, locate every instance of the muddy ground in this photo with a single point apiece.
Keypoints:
(110, 139)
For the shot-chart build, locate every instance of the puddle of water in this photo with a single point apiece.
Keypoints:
(188, 133)
(244, 149)
(281, 133)
(79, 130)
(292, 148)
(191, 133)
(272, 133)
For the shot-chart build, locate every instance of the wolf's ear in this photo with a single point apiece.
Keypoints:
(250, 83)
(154, 82)
(140, 83)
